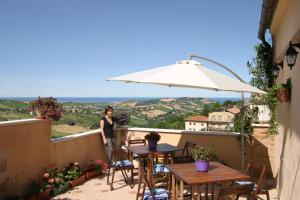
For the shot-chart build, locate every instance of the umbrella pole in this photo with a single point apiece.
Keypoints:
(242, 133)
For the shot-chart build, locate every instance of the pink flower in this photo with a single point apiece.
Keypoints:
(46, 175)
(51, 181)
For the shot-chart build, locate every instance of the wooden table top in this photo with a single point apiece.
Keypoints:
(161, 148)
(217, 172)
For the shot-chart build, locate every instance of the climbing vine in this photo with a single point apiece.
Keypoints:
(260, 70)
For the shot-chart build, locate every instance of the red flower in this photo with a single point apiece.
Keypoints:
(51, 165)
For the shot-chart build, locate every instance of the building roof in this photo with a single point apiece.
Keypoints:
(233, 110)
(198, 118)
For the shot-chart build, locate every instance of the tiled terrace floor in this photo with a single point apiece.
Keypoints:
(96, 189)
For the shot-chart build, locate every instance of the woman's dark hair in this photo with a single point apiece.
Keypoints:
(108, 108)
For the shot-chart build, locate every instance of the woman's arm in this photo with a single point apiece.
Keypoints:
(102, 131)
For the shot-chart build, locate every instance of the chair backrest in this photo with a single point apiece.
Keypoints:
(134, 142)
(257, 172)
(188, 146)
(229, 192)
(117, 154)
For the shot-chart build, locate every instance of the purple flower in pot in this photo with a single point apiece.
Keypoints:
(201, 156)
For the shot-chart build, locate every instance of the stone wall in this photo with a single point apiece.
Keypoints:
(263, 148)
(26, 149)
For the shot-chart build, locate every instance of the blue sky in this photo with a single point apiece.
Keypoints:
(70, 47)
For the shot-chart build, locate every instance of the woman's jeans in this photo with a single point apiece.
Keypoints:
(109, 147)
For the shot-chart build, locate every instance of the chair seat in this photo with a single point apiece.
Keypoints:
(123, 163)
(160, 169)
(241, 183)
(183, 159)
(159, 194)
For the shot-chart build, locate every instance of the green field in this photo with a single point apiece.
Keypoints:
(86, 116)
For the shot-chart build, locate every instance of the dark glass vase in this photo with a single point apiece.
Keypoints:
(152, 145)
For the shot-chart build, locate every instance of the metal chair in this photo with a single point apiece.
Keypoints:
(185, 156)
(234, 192)
(257, 172)
(119, 165)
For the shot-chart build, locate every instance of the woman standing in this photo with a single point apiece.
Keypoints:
(107, 132)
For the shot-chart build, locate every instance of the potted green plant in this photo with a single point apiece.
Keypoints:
(95, 168)
(283, 91)
(201, 156)
(152, 138)
(73, 174)
(46, 108)
(56, 180)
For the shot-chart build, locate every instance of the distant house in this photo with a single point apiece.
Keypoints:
(236, 111)
(221, 121)
(196, 123)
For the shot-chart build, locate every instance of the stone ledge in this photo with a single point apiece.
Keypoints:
(20, 121)
(74, 136)
(175, 131)
(255, 125)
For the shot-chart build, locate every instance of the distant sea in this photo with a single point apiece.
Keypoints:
(106, 99)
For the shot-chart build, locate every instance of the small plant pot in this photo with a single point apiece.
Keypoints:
(92, 174)
(152, 145)
(78, 181)
(202, 165)
(283, 95)
(41, 196)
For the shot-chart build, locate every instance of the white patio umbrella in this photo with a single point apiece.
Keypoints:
(189, 74)
(192, 74)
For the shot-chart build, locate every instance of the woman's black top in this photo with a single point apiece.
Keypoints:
(108, 128)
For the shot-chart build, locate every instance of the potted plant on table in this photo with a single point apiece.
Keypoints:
(95, 168)
(201, 156)
(46, 108)
(283, 91)
(152, 138)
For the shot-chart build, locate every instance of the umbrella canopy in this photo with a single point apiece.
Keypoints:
(189, 74)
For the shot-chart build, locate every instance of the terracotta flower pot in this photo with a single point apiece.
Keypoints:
(81, 179)
(283, 95)
(41, 196)
(92, 174)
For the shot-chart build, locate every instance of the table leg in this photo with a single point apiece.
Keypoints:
(198, 192)
(176, 189)
(174, 195)
(150, 170)
(206, 191)
(192, 192)
(181, 189)
(212, 191)
(139, 177)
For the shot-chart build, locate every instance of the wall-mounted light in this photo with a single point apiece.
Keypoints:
(291, 54)
(276, 69)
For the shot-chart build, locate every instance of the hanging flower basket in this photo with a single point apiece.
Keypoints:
(283, 95)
